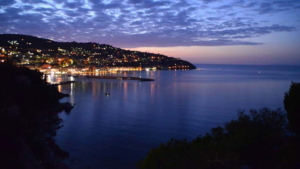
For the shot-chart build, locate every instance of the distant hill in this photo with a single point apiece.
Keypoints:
(106, 53)
(41, 43)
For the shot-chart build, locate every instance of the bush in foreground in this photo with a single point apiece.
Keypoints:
(257, 140)
(292, 107)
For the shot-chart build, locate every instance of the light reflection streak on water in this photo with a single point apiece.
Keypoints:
(125, 90)
(59, 88)
(72, 99)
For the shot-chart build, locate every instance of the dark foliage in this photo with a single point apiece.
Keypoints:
(256, 140)
(28, 115)
(292, 107)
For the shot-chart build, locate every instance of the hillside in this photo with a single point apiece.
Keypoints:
(89, 53)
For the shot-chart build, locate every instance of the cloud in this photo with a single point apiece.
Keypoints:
(274, 6)
(148, 3)
(265, 7)
(6, 3)
(132, 23)
(210, 1)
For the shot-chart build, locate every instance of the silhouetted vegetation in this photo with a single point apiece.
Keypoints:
(258, 139)
(292, 107)
(28, 118)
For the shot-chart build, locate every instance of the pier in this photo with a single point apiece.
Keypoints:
(61, 83)
(121, 78)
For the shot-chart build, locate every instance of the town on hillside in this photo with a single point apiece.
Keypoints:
(75, 58)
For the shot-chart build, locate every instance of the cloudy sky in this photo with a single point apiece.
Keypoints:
(200, 31)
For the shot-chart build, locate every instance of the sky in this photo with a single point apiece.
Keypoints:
(258, 32)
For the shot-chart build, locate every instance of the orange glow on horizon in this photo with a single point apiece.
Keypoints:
(241, 54)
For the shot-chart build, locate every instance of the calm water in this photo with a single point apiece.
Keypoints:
(118, 130)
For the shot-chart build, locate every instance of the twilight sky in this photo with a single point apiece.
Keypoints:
(200, 31)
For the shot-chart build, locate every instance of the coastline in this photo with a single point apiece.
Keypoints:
(29, 120)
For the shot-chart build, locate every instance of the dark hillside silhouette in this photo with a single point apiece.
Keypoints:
(28, 119)
(107, 54)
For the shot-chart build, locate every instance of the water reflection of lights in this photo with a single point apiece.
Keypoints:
(94, 86)
(59, 88)
(125, 89)
(152, 89)
(72, 100)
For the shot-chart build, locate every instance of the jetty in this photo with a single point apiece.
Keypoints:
(61, 83)
(121, 78)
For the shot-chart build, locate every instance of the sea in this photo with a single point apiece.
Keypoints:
(115, 123)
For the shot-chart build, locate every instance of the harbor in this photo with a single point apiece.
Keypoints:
(72, 78)
(121, 78)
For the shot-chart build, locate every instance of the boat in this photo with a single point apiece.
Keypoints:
(144, 79)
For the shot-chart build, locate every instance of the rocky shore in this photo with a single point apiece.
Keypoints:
(29, 119)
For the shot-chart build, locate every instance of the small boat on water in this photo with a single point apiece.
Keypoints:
(144, 79)
(107, 94)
